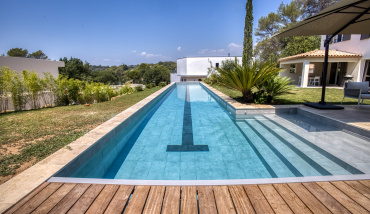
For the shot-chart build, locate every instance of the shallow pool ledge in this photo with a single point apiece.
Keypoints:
(21, 185)
(238, 109)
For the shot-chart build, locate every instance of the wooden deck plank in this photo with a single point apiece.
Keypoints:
(207, 204)
(360, 188)
(67, 202)
(365, 182)
(47, 205)
(103, 199)
(276, 202)
(223, 199)
(292, 199)
(154, 202)
(86, 199)
(257, 199)
(189, 202)
(241, 200)
(119, 200)
(27, 198)
(171, 202)
(44, 194)
(342, 198)
(352, 193)
(330, 202)
(311, 202)
(137, 202)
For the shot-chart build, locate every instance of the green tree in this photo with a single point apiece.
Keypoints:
(134, 75)
(17, 52)
(157, 74)
(246, 77)
(106, 77)
(271, 48)
(75, 68)
(38, 55)
(248, 30)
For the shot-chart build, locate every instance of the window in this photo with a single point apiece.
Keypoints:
(292, 68)
(364, 36)
(217, 65)
(339, 38)
(311, 68)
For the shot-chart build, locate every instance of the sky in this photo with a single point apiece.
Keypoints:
(128, 31)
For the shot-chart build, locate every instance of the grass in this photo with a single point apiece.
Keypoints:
(299, 96)
(29, 136)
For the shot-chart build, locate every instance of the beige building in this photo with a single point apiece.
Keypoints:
(349, 58)
(40, 66)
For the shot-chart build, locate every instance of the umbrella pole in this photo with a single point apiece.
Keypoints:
(324, 73)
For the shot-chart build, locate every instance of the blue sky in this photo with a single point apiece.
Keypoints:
(127, 31)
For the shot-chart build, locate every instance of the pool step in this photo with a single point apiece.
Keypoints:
(289, 153)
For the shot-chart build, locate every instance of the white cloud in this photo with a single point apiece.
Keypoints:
(143, 53)
(211, 51)
(233, 45)
(107, 60)
(179, 48)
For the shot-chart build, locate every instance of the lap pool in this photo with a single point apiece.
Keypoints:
(188, 135)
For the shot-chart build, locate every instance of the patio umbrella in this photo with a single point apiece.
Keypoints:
(343, 17)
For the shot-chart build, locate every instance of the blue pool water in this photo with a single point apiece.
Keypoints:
(187, 135)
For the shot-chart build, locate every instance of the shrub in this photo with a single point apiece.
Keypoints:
(126, 89)
(245, 78)
(139, 88)
(99, 93)
(49, 85)
(61, 92)
(162, 84)
(6, 76)
(148, 86)
(17, 90)
(276, 86)
(33, 86)
(153, 85)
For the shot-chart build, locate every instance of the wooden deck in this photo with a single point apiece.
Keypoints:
(314, 197)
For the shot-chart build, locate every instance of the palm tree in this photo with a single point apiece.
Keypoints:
(276, 86)
(245, 77)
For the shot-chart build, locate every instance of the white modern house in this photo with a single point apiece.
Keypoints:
(40, 66)
(349, 58)
(193, 69)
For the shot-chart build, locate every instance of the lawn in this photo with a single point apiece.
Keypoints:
(29, 136)
(299, 96)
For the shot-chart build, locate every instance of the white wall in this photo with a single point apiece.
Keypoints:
(200, 65)
(175, 77)
(354, 45)
(40, 66)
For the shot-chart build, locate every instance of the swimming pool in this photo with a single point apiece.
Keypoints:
(188, 135)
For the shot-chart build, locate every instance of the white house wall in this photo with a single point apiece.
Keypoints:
(40, 66)
(199, 65)
(354, 45)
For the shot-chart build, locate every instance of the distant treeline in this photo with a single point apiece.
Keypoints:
(142, 73)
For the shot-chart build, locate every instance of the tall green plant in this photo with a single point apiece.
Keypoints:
(245, 77)
(276, 86)
(248, 31)
(18, 92)
(33, 86)
(49, 85)
(6, 76)
(61, 92)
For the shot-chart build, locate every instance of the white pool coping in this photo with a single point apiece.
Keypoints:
(211, 182)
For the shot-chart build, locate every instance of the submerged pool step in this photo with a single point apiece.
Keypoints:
(321, 160)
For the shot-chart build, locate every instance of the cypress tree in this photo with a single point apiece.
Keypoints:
(248, 30)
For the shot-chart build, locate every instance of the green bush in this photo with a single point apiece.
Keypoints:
(162, 84)
(148, 86)
(17, 91)
(126, 89)
(139, 88)
(33, 86)
(153, 85)
(6, 76)
(61, 92)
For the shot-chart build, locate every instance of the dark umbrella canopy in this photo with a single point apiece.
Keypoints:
(343, 17)
(354, 15)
